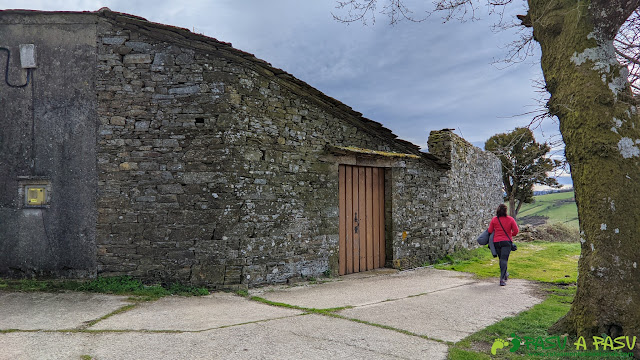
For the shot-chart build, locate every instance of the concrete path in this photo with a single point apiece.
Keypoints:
(422, 310)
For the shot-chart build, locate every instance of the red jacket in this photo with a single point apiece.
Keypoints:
(509, 225)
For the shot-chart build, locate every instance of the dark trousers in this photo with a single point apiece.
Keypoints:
(503, 249)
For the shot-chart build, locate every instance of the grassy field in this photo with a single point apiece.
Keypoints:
(553, 264)
(554, 208)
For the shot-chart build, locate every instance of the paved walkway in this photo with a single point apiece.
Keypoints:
(438, 307)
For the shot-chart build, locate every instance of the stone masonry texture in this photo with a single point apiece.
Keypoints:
(216, 169)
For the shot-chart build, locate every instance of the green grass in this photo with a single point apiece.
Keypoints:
(305, 309)
(555, 263)
(555, 207)
(116, 312)
(119, 285)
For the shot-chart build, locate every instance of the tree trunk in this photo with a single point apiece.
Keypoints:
(512, 205)
(517, 209)
(601, 129)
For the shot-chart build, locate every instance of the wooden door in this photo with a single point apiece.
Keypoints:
(362, 240)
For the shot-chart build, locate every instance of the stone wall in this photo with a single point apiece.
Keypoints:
(435, 213)
(214, 168)
(212, 171)
(473, 189)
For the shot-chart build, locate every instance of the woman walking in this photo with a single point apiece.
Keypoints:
(505, 229)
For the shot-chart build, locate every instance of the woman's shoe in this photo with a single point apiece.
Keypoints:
(503, 283)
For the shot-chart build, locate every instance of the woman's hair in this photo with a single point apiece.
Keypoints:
(502, 210)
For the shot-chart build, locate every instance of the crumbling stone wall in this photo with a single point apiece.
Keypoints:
(435, 213)
(473, 190)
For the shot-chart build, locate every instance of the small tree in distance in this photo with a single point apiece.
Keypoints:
(524, 164)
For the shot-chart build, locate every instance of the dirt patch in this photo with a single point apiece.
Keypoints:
(549, 232)
(481, 347)
(533, 220)
(564, 201)
(534, 248)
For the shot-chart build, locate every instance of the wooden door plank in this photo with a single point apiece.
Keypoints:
(376, 218)
(349, 219)
(369, 218)
(342, 233)
(362, 212)
(357, 229)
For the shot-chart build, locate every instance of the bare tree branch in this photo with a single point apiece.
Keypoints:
(627, 44)
(627, 39)
(362, 10)
(356, 11)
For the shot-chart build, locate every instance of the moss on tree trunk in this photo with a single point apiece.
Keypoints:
(600, 127)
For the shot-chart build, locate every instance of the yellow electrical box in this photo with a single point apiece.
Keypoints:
(35, 195)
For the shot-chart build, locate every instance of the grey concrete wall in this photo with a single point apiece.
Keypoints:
(47, 131)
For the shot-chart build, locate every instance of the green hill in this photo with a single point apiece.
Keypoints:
(551, 208)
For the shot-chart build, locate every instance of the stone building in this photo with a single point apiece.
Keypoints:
(135, 148)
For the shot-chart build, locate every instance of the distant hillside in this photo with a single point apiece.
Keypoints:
(551, 208)
(551, 191)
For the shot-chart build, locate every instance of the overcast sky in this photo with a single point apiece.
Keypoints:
(411, 77)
